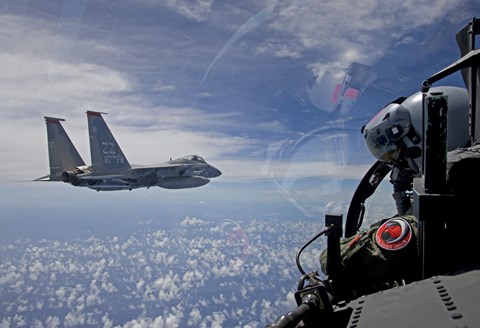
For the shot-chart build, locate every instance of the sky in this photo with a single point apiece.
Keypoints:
(251, 86)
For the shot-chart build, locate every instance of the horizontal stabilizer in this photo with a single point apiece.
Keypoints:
(44, 178)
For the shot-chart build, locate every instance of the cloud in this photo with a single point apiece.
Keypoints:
(148, 286)
(166, 286)
(280, 50)
(163, 87)
(192, 221)
(372, 27)
(52, 322)
(254, 21)
(73, 319)
(34, 76)
(233, 268)
(197, 10)
(34, 86)
(194, 317)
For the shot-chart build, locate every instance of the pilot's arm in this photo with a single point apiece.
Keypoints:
(402, 181)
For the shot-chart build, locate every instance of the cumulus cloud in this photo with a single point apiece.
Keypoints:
(194, 317)
(233, 268)
(192, 221)
(182, 282)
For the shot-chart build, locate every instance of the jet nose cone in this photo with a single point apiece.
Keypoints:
(214, 172)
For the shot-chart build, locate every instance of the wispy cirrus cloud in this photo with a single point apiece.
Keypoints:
(369, 29)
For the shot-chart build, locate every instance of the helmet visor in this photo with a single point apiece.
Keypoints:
(385, 131)
(381, 147)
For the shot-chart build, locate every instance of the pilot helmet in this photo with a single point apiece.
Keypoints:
(394, 134)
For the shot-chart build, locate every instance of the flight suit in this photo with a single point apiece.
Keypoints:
(381, 257)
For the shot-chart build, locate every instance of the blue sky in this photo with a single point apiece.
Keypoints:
(247, 85)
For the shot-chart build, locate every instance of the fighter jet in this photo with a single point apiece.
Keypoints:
(110, 169)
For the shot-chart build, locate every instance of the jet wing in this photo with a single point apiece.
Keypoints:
(156, 166)
(165, 170)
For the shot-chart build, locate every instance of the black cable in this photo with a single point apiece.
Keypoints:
(292, 318)
(297, 259)
(365, 189)
(301, 282)
(360, 216)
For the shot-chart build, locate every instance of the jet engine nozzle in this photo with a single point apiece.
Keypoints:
(71, 176)
(68, 176)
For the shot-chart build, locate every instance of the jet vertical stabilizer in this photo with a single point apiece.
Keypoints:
(63, 156)
(107, 157)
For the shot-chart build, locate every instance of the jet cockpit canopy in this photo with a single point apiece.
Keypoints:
(195, 158)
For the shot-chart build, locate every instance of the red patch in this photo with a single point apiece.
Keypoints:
(394, 234)
(351, 93)
(336, 93)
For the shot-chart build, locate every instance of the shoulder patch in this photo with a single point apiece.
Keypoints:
(394, 234)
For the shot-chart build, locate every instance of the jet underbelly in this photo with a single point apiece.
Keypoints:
(182, 182)
(112, 184)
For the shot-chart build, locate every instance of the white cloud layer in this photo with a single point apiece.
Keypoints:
(176, 277)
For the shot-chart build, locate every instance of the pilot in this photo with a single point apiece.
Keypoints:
(394, 136)
(385, 255)
(383, 136)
